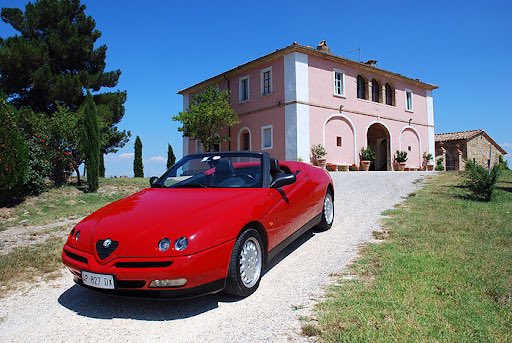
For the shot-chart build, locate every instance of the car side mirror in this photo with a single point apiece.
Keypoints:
(283, 180)
(152, 180)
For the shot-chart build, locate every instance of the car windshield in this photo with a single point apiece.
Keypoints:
(214, 170)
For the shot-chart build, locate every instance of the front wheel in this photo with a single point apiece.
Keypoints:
(327, 213)
(246, 264)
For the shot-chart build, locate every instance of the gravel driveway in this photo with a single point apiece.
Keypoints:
(61, 311)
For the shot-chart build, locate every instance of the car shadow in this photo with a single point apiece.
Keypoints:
(87, 303)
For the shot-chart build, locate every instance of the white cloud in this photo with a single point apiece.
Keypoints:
(126, 155)
(155, 159)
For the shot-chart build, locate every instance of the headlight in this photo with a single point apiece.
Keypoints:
(164, 244)
(181, 243)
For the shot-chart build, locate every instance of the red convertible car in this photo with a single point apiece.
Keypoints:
(209, 223)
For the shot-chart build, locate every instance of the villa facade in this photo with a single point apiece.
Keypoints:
(299, 96)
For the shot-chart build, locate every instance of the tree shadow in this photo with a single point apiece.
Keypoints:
(88, 303)
(506, 189)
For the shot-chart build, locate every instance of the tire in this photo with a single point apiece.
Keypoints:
(246, 264)
(327, 214)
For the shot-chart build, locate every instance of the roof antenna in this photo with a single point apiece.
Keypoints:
(358, 53)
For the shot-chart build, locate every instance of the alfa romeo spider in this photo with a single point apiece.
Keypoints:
(210, 223)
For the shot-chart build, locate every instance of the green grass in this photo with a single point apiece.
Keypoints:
(69, 202)
(443, 273)
(25, 265)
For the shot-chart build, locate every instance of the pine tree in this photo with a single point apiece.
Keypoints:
(91, 143)
(171, 159)
(51, 59)
(138, 167)
(13, 154)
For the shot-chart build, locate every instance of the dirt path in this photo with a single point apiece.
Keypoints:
(61, 311)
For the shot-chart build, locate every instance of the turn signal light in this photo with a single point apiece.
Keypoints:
(168, 283)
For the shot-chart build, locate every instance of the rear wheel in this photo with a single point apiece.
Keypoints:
(327, 212)
(246, 264)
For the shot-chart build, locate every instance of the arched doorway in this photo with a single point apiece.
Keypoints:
(379, 140)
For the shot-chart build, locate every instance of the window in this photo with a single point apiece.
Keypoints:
(243, 89)
(375, 91)
(266, 81)
(408, 100)
(389, 94)
(409, 148)
(338, 141)
(266, 137)
(339, 82)
(361, 87)
(199, 146)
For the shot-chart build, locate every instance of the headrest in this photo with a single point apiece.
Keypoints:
(224, 167)
(274, 166)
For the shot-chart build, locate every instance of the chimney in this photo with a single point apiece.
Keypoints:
(322, 46)
(372, 63)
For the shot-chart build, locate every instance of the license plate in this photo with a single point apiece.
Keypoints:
(98, 280)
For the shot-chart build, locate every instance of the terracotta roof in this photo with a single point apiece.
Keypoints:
(295, 47)
(454, 136)
(467, 135)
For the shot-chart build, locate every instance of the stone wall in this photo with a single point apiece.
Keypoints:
(455, 153)
(478, 150)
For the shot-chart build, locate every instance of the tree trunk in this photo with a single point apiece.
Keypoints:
(78, 181)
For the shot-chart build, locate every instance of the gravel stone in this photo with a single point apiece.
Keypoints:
(58, 310)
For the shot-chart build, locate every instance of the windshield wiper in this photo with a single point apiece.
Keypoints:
(191, 185)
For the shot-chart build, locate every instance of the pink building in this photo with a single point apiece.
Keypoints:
(299, 96)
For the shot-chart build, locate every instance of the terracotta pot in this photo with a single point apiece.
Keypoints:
(430, 167)
(321, 162)
(365, 165)
(343, 167)
(400, 166)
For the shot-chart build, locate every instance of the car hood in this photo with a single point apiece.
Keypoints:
(207, 217)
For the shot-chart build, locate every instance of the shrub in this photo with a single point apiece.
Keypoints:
(503, 163)
(401, 156)
(439, 164)
(353, 167)
(480, 181)
(367, 154)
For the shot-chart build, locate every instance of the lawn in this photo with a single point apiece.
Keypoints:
(443, 273)
(43, 259)
(68, 202)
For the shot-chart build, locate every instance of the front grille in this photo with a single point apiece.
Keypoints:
(76, 257)
(130, 283)
(143, 264)
(103, 252)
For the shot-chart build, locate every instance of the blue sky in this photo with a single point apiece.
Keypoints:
(163, 46)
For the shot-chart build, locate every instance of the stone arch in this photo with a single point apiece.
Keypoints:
(410, 141)
(340, 123)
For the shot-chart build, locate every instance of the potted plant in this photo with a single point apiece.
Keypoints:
(353, 167)
(330, 167)
(427, 160)
(367, 156)
(318, 152)
(400, 159)
(439, 164)
(343, 167)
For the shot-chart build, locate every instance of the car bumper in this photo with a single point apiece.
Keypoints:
(205, 272)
